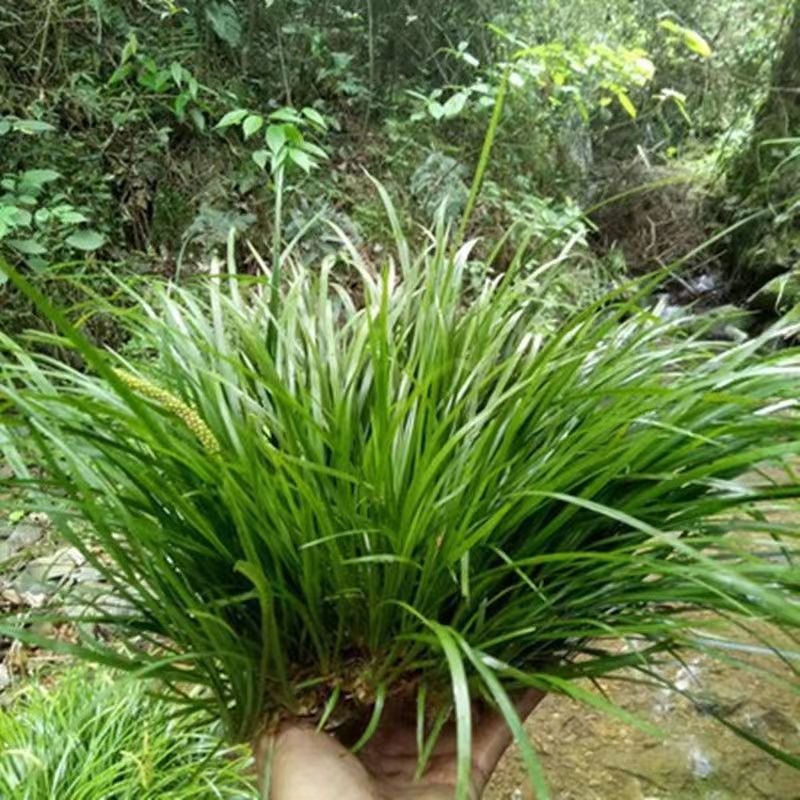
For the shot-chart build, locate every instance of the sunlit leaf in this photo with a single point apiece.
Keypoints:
(627, 103)
(275, 137)
(252, 125)
(232, 118)
(87, 240)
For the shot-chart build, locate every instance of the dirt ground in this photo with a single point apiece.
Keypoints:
(588, 755)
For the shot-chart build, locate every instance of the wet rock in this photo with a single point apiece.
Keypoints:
(700, 763)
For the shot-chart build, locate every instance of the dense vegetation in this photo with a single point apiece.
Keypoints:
(96, 736)
(113, 153)
(372, 348)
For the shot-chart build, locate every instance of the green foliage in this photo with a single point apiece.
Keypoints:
(588, 74)
(95, 735)
(693, 40)
(284, 140)
(36, 218)
(174, 83)
(438, 185)
(406, 492)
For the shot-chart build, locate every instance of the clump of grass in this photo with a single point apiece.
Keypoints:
(93, 735)
(410, 493)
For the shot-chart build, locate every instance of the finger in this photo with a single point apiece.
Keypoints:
(307, 765)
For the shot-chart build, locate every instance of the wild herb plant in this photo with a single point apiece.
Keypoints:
(348, 495)
(93, 735)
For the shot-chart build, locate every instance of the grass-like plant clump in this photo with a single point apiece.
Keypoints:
(312, 506)
(92, 736)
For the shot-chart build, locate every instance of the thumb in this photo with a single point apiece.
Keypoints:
(307, 765)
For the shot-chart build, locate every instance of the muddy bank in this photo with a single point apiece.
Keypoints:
(588, 755)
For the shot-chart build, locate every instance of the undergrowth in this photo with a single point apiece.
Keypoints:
(92, 736)
(308, 502)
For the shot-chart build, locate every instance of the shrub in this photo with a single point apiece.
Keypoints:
(93, 735)
(327, 501)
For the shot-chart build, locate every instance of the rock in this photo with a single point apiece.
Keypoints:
(23, 536)
(778, 295)
(58, 565)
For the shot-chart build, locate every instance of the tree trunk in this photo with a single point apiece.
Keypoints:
(779, 114)
(761, 178)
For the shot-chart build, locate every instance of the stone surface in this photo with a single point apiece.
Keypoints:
(55, 566)
(23, 535)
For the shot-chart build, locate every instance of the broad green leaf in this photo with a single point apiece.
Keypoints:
(303, 160)
(232, 118)
(38, 177)
(37, 263)
(286, 115)
(225, 22)
(10, 215)
(251, 125)
(314, 150)
(87, 240)
(260, 157)
(130, 48)
(181, 101)
(455, 105)
(692, 39)
(70, 217)
(24, 217)
(198, 118)
(120, 74)
(435, 109)
(32, 126)
(177, 72)
(276, 137)
(293, 134)
(695, 42)
(315, 117)
(29, 247)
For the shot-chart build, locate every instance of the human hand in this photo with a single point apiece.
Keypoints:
(307, 765)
